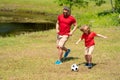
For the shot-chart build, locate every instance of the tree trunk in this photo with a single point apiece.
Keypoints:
(112, 5)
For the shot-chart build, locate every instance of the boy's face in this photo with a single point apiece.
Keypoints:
(86, 30)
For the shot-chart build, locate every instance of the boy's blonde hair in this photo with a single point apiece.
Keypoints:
(85, 28)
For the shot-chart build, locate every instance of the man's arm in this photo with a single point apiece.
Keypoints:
(57, 26)
(73, 30)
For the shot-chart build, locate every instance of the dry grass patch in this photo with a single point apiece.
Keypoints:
(32, 56)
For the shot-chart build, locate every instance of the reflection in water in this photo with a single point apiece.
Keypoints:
(17, 28)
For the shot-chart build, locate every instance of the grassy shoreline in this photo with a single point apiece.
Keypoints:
(26, 11)
(47, 11)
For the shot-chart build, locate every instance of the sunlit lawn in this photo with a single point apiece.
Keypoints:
(31, 57)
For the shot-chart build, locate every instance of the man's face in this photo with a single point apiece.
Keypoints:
(66, 13)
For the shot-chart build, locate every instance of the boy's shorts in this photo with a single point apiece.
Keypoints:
(61, 40)
(89, 50)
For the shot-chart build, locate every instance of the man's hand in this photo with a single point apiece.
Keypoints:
(70, 34)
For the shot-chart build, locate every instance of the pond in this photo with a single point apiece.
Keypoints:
(7, 29)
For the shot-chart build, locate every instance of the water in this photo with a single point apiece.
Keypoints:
(18, 28)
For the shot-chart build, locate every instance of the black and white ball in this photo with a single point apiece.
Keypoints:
(74, 67)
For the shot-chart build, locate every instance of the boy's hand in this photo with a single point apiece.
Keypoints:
(105, 37)
(76, 43)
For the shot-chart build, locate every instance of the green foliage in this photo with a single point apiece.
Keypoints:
(117, 5)
(99, 2)
(70, 3)
(83, 3)
(108, 20)
(103, 17)
(79, 3)
(40, 11)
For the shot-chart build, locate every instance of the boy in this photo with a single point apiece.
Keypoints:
(88, 37)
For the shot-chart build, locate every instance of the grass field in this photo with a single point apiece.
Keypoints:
(31, 57)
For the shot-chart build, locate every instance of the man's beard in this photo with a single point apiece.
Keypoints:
(66, 15)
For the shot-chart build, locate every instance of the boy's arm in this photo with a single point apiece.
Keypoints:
(57, 26)
(78, 40)
(99, 35)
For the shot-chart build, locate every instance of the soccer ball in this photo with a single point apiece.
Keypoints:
(74, 67)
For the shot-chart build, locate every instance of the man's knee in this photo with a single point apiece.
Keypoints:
(60, 47)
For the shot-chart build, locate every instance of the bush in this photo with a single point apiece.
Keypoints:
(99, 21)
(117, 5)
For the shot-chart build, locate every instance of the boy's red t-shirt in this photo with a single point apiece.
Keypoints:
(89, 39)
(65, 24)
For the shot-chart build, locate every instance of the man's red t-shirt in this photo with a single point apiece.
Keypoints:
(65, 24)
(89, 39)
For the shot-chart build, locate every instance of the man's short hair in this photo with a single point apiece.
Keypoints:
(66, 8)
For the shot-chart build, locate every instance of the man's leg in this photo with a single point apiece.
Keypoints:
(60, 51)
(63, 42)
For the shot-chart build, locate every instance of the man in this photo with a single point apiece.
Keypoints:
(63, 30)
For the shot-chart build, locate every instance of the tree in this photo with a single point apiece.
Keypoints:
(99, 2)
(71, 3)
(84, 3)
(117, 5)
(112, 4)
(79, 3)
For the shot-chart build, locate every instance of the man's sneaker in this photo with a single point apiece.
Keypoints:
(89, 65)
(66, 53)
(58, 62)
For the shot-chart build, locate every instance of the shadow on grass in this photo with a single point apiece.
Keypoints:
(69, 58)
(93, 64)
(106, 12)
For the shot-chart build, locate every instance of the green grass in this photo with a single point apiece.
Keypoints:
(27, 11)
(43, 11)
(31, 57)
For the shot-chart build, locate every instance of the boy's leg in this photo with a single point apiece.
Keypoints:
(89, 59)
(86, 58)
(88, 54)
(90, 51)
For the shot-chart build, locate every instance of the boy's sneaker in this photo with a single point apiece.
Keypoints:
(66, 53)
(89, 65)
(86, 64)
(58, 62)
